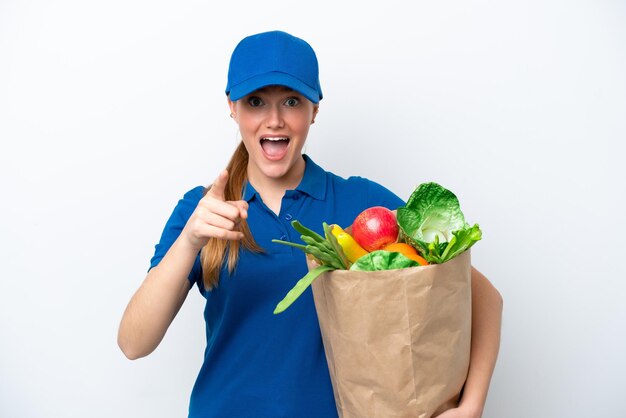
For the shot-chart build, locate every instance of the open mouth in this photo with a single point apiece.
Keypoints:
(274, 148)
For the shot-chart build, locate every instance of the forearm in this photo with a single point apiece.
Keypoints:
(486, 323)
(157, 301)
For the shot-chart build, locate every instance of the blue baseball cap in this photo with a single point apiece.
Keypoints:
(273, 58)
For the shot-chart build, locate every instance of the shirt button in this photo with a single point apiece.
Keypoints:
(283, 237)
(288, 217)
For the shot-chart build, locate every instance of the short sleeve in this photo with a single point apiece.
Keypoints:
(174, 226)
(379, 195)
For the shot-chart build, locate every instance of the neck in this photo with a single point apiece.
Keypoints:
(272, 189)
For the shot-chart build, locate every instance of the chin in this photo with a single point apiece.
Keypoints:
(280, 169)
(276, 171)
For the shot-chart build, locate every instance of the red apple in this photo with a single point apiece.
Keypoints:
(375, 227)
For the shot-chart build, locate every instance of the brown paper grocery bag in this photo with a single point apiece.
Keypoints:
(397, 341)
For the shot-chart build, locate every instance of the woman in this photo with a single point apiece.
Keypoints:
(256, 363)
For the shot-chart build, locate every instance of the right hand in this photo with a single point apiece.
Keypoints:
(215, 217)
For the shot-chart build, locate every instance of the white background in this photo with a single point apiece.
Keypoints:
(110, 111)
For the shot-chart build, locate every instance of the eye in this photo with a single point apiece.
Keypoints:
(292, 101)
(255, 101)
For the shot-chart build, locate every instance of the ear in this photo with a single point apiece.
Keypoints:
(316, 109)
(231, 105)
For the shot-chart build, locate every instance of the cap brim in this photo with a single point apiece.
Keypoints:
(273, 79)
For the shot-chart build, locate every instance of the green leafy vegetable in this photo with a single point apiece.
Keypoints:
(461, 241)
(382, 260)
(433, 223)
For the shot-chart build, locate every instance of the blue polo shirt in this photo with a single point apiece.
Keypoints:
(257, 364)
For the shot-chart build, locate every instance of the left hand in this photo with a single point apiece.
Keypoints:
(459, 412)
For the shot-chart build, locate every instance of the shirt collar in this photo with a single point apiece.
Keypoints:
(248, 192)
(313, 182)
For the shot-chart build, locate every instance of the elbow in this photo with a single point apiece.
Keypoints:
(130, 354)
(494, 299)
(130, 349)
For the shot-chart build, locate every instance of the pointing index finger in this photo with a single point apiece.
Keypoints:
(219, 185)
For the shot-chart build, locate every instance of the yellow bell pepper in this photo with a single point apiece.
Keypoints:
(350, 247)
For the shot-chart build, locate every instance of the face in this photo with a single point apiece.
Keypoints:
(274, 123)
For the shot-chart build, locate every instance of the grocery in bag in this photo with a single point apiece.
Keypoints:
(394, 305)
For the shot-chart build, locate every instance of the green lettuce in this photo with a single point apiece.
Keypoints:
(382, 260)
(433, 223)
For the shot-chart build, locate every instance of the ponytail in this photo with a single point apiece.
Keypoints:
(214, 252)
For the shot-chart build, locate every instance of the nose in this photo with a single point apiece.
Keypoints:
(274, 118)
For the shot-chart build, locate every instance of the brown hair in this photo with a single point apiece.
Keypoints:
(214, 252)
